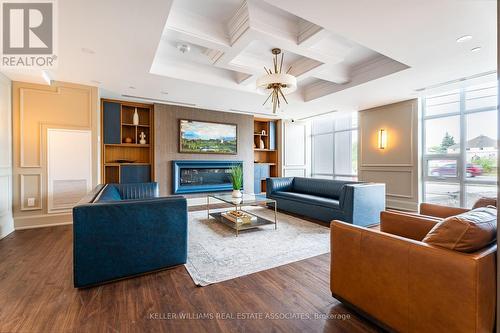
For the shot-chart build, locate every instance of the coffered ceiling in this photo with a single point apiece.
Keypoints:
(230, 47)
(347, 54)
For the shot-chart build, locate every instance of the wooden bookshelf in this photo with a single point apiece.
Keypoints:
(122, 161)
(266, 152)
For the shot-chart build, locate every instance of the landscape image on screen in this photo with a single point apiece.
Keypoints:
(203, 137)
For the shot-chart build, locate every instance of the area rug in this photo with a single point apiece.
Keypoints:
(215, 254)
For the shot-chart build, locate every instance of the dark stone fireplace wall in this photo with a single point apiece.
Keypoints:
(166, 120)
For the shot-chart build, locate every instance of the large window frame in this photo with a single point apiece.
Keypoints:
(460, 158)
(354, 127)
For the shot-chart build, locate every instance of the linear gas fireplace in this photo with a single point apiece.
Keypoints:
(201, 176)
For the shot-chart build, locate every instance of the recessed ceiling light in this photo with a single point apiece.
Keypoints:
(183, 47)
(96, 82)
(131, 87)
(475, 49)
(464, 38)
(87, 50)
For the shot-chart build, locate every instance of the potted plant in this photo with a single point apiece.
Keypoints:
(237, 180)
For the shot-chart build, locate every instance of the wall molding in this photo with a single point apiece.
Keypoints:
(57, 91)
(406, 196)
(285, 130)
(8, 210)
(21, 191)
(402, 205)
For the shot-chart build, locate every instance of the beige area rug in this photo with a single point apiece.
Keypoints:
(215, 254)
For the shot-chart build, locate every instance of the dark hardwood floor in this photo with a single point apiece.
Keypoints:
(37, 295)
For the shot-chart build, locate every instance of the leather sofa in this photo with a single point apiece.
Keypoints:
(406, 285)
(326, 200)
(121, 230)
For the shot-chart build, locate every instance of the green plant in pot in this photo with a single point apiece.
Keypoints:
(237, 180)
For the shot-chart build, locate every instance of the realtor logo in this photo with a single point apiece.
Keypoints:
(28, 30)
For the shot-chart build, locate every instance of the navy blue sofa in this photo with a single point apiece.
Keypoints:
(326, 200)
(121, 230)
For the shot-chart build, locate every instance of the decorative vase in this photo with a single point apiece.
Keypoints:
(142, 141)
(135, 119)
(236, 194)
(262, 145)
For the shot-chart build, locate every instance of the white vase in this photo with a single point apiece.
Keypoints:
(262, 145)
(236, 194)
(135, 119)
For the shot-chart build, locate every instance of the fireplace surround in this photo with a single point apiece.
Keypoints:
(195, 176)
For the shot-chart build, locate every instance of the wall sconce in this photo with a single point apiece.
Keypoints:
(382, 139)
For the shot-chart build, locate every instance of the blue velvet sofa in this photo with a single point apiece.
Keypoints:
(326, 200)
(121, 230)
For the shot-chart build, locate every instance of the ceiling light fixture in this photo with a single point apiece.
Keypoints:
(183, 47)
(464, 38)
(475, 49)
(277, 84)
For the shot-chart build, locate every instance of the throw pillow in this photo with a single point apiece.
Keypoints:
(467, 232)
(485, 202)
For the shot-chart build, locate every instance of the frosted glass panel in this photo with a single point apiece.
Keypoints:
(295, 141)
(346, 122)
(69, 166)
(322, 125)
(346, 147)
(323, 153)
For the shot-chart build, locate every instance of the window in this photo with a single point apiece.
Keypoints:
(460, 145)
(334, 148)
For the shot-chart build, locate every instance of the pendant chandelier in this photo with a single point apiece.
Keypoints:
(277, 84)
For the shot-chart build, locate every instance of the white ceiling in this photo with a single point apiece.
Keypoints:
(348, 54)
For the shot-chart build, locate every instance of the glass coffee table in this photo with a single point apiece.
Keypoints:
(237, 205)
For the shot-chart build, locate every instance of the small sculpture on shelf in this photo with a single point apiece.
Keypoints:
(142, 141)
(128, 140)
(262, 145)
(135, 118)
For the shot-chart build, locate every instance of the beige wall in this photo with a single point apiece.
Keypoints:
(166, 118)
(397, 165)
(37, 108)
(6, 221)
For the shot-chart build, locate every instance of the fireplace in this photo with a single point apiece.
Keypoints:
(201, 176)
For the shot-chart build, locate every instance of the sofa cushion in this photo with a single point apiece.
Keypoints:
(485, 202)
(110, 193)
(308, 198)
(467, 232)
(320, 187)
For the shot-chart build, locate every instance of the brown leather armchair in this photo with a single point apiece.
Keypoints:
(406, 285)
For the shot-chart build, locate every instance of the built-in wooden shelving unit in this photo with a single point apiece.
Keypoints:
(124, 158)
(265, 152)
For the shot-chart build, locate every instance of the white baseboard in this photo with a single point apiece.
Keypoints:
(43, 225)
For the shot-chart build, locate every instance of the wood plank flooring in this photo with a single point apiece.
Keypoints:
(37, 295)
